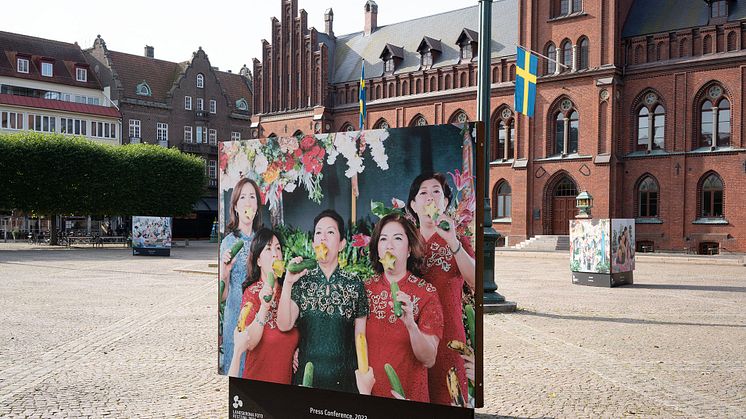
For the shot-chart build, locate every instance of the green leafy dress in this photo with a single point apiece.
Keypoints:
(328, 309)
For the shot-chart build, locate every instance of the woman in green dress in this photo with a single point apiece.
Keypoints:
(330, 307)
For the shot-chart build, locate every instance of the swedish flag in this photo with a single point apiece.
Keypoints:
(525, 82)
(361, 97)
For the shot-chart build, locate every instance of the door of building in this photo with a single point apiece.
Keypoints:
(563, 206)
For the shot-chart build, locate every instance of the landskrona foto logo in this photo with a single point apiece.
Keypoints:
(237, 402)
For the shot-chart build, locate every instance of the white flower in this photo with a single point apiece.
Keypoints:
(290, 187)
(260, 163)
(375, 141)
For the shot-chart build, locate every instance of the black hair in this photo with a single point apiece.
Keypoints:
(261, 239)
(334, 215)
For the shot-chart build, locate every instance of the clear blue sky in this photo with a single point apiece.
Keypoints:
(229, 31)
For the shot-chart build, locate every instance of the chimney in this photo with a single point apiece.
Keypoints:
(329, 22)
(371, 17)
(149, 51)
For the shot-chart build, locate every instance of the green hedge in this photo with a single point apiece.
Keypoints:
(54, 174)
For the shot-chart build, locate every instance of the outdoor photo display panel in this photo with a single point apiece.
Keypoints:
(151, 236)
(373, 295)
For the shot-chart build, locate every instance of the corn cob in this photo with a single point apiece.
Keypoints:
(454, 388)
(397, 304)
(394, 380)
(294, 268)
(460, 347)
(245, 310)
(361, 345)
(308, 375)
(237, 246)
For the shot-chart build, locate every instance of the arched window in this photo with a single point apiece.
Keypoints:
(711, 197)
(143, 89)
(242, 104)
(566, 58)
(583, 56)
(495, 75)
(651, 124)
(707, 45)
(638, 54)
(683, 48)
(463, 80)
(567, 126)
(418, 121)
(647, 197)
(659, 51)
(501, 200)
(732, 41)
(200, 81)
(459, 117)
(512, 72)
(551, 52)
(392, 90)
(298, 133)
(405, 87)
(381, 124)
(433, 84)
(418, 86)
(447, 81)
(715, 125)
(504, 147)
(379, 93)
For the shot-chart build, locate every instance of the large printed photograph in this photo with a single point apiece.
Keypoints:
(151, 236)
(347, 262)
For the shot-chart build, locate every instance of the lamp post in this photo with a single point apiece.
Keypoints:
(493, 301)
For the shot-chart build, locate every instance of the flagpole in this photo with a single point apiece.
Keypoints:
(361, 126)
(542, 56)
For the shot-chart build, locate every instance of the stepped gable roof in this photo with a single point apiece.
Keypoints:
(350, 49)
(64, 56)
(648, 17)
(133, 69)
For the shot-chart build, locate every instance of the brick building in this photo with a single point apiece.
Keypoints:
(643, 108)
(191, 105)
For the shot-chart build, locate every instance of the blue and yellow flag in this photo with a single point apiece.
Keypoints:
(525, 82)
(361, 97)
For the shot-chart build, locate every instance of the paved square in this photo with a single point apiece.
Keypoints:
(100, 333)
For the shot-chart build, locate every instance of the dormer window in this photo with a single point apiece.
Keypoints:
(22, 65)
(391, 57)
(47, 69)
(143, 89)
(81, 74)
(429, 50)
(467, 43)
(718, 9)
(242, 104)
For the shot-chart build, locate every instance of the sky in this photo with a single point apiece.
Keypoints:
(229, 31)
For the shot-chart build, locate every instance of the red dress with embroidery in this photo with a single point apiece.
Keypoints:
(441, 270)
(388, 339)
(272, 358)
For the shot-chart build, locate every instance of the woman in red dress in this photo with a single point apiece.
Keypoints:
(448, 263)
(409, 342)
(270, 352)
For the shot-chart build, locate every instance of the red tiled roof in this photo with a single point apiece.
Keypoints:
(133, 69)
(58, 105)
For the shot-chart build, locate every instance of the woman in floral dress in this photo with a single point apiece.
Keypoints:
(448, 263)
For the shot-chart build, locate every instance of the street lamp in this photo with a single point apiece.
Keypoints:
(584, 203)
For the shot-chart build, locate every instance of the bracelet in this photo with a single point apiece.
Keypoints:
(453, 252)
(261, 322)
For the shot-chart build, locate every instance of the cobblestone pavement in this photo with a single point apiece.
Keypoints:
(100, 333)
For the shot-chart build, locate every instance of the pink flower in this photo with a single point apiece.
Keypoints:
(307, 142)
(397, 203)
(460, 180)
(360, 240)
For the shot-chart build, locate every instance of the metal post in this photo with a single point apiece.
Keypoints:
(493, 301)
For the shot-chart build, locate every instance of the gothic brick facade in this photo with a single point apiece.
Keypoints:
(643, 109)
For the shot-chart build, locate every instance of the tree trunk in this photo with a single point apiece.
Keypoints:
(53, 230)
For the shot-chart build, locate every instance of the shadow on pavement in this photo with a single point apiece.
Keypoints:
(622, 320)
(687, 287)
(490, 416)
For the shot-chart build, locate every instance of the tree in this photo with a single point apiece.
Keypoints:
(53, 174)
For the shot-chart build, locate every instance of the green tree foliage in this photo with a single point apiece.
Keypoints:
(54, 174)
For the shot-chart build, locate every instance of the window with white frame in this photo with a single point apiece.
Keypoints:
(188, 134)
(200, 81)
(41, 123)
(103, 129)
(213, 136)
(47, 69)
(22, 65)
(212, 169)
(73, 126)
(200, 104)
(187, 103)
(161, 131)
(11, 120)
(81, 74)
(213, 106)
(135, 128)
(235, 136)
(201, 135)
